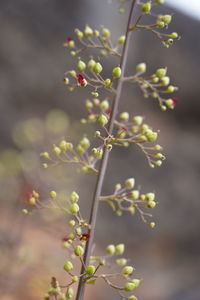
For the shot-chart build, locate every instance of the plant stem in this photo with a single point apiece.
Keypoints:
(104, 161)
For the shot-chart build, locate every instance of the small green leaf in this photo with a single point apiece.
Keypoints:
(91, 281)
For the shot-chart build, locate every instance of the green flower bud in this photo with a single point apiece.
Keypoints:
(119, 213)
(97, 133)
(165, 80)
(73, 73)
(63, 146)
(171, 89)
(88, 104)
(62, 297)
(69, 293)
(116, 72)
(119, 249)
(81, 66)
(91, 64)
(160, 24)
(25, 211)
(102, 120)
(80, 150)
(129, 183)
(174, 35)
(121, 40)
(141, 68)
(98, 153)
(151, 136)
(170, 41)
(110, 249)
(128, 270)
(129, 286)
(97, 68)
(95, 94)
(45, 166)
(104, 105)
(161, 72)
(56, 150)
(96, 101)
(151, 204)
(78, 230)
(96, 33)
(166, 19)
(46, 297)
(150, 197)
(136, 282)
(68, 266)
(74, 279)
(121, 262)
(108, 82)
(105, 33)
(158, 163)
(152, 224)
(124, 116)
(137, 120)
(74, 208)
(72, 223)
(90, 270)
(78, 251)
(79, 34)
(159, 2)
(134, 195)
(155, 79)
(88, 32)
(45, 155)
(146, 8)
(131, 209)
(53, 194)
(163, 107)
(157, 148)
(85, 143)
(32, 201)
(74, 197)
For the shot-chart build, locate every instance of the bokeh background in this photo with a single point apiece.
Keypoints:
(37, 110)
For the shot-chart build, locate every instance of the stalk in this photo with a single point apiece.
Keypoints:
(104, 161)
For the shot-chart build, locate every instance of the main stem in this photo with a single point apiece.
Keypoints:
(104, 161)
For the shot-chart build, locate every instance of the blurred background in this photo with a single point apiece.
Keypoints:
(37, 111)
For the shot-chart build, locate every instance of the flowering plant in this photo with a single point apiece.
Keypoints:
(115, 129)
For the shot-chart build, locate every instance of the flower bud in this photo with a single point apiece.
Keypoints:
(73, 73)
(74, 279)
(96, 33)
(105, 33)
(95, 94)
(68, 266)
(32, 201)
(159, 1)
(97, 153)
(146, 8)
(131, 209)
(174, 35)
(97, 68)
(108, 82)
(90, 270)
(128, 270)
(151, 204)
(72, 223)
(56, 150)
(69, 293)
(88, 32)
(97, 133)
(137, 120)
(134, 195)
(150, 197)
(171, 89)
(85, 143)
(124, 116)
(119, 249)
(25, 211)
(129, 286)
(80, 150)
(91, 64)
(121, 262)
(79, 34)
(102, 120)
(121, 40)
(53, 194)
(136, 282)
(74, 209)
(152, 224)
(151, 136)
(45, 155)
(110, 249)
(158, 163)
(155, 79)
(141, 68)
(78, 251)
(63, 146)
(74, 197)
(165, 81)
(129, 183)
(78, 230)
(81, 66)
(104, 105)
(166, 19)
(116, 72)
(161, 72)
(46, 297)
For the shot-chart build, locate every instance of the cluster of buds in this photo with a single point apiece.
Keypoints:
(127, 198)
(155, 86)
(136, 132)
(65, 152)
(91, 38)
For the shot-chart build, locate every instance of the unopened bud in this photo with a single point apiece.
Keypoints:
(124, 116)
(116, 72)
(74, 197)
(90, 270)
(78, 251)
(146, 8)
(121, 40)
(121, 262)
(81, 66)
(102, 120)
(68, 266)
(74, 208)
(88, 32)
(69, 293)
(104, 105)
(161, 72)
(119, 249)
(108, 82)
(56, 150)
(105, 33)
(91, 64)
(141, 68)
(53, 194)
(97, 68)
(129, 183)
(110, 249)
(128, 270)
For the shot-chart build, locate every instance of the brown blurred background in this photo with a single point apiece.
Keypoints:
(33, 97)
